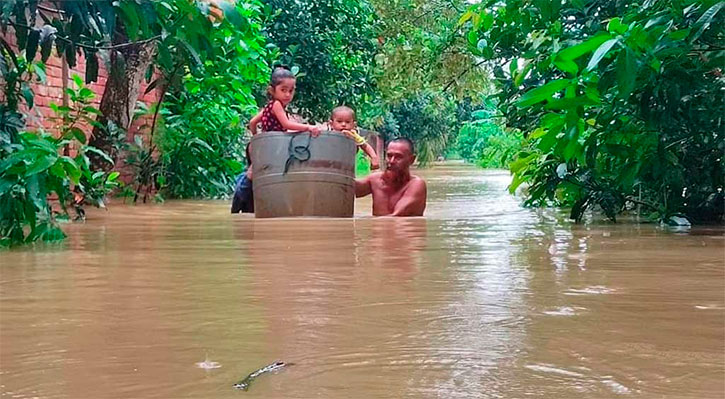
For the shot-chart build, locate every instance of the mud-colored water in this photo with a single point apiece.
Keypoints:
(480, 299)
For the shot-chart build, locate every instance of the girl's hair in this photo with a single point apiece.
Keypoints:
(280, 73)
(247, 154)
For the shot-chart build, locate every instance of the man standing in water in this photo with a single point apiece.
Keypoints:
(395, 191)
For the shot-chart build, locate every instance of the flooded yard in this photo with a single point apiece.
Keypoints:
(480, 299)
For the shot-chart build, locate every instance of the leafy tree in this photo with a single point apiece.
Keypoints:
(473, 134)
(32, 166)
(137, 35)
(331, 45)
(619, 101)
(424, 59)
(430, 120)
(204, 114)
(424, 49)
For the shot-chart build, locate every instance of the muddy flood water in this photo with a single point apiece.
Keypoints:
(480, 299)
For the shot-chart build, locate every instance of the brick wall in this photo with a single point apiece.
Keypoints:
(42, 116)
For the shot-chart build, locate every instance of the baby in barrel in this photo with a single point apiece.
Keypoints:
(343, 120)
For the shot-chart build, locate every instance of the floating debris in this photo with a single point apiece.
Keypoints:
(247, 381)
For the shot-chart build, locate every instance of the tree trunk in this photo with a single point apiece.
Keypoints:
(128, 68)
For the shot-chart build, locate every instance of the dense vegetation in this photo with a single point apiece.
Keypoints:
(620, 102)
(613, 104)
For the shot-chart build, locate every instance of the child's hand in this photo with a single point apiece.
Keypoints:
(374, 164)
(315, 131)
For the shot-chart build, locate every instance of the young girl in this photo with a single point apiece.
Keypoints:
(273, 116)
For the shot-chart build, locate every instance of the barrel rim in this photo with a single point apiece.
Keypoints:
(328, 133)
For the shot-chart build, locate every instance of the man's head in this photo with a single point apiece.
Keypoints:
(400, 155)
(342, 118)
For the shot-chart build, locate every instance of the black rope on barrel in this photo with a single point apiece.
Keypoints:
(298, 152)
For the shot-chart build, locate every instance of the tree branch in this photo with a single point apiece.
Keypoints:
(44, 8)
(633, 200)
(89, 47)
(460, 75)
(114, 47)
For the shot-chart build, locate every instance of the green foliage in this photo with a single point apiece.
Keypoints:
(473, 134)
(32, 168)
(430, 120)
(208, 57)
(200, 146)
(482, 141)
(362, 165)
(201, 142)
(423, 58)
(424, 50)
(620, 101)
(180, 28)
(332, 44)
(148, 170)
(500, 149)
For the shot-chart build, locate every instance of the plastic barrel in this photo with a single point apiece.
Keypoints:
(323, 185)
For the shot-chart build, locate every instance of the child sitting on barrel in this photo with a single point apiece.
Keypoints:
(343, 120)
(273, 116)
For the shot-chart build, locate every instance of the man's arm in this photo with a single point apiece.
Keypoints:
(413, 201)
(363, 187)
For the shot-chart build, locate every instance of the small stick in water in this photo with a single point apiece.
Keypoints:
(247, 381)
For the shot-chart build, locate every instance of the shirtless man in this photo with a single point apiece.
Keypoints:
(395, 191)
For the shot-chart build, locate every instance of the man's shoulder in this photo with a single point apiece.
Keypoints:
(416, 180)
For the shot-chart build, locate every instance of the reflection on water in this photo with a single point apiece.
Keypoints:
(482, 298)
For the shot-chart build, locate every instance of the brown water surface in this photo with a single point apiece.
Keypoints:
(480, 299)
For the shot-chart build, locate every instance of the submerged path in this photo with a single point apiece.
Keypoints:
(482, 298)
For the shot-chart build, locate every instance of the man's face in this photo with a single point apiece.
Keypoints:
(342, 120)
(399, 156)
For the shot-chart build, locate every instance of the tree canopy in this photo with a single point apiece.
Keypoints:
(620, 101)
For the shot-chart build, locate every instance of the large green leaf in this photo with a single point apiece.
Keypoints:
(32, 46)
(600, 53)
(130, 18)
(567, 66)
(71, 168)
(40, 164)
(100, 153)
(231, 13)
(574, 52)
(705, 20)
(542, 93)
(39, 70)
(626, 72)
(615, 26)
(27, 93)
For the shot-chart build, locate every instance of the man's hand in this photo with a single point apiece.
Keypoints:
(413, 201)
